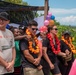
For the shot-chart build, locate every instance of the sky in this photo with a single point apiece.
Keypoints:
(63, 10)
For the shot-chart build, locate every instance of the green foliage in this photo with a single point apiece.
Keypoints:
(24, 3)
(20, 2)
(14, 1)
(41, 14)
(56, 23)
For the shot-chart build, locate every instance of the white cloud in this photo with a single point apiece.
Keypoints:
(69, 20)
(62, 11)
(64, 16)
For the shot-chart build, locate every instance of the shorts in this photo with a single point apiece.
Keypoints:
(32, 71)
(47, 70)
(56, 69)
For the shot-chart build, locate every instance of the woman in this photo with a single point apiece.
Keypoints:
(51, 48)
(43, 32)
(17, 65)
(66, 47)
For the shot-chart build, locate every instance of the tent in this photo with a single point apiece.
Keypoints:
(40, 21)
(6, 6)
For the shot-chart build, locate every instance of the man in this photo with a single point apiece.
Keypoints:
(31, 54)
(7, 50)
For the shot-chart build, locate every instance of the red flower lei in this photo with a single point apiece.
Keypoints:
(56, 51)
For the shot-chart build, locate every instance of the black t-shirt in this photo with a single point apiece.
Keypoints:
(24, 46)
(51, 55)
(63, 47)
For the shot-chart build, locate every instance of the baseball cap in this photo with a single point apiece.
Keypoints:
(4, 15)
(67, 32)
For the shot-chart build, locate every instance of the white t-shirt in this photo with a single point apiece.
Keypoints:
(6, 44)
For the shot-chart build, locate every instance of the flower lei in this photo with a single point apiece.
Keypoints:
(56, 51)
(36, 49)
(72, 47)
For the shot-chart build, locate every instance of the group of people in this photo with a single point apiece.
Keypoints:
(23, 53)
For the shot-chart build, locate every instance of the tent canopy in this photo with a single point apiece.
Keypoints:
(6, 6)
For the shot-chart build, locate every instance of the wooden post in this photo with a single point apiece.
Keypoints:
(46, 8)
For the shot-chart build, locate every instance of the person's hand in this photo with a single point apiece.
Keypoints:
(63, 55)
(28, 37)
(66, 64)
(10, 66)
(6, 65)
(39, 67)
(37, 61)
(67, 52)
(51, 66)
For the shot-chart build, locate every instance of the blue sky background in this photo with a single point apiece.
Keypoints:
(63, 10)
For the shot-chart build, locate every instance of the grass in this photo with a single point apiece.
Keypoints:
(50, 74)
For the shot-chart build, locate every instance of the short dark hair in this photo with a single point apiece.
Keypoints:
(12, 29)
(32, 23)
(50, 27)
(23, 28)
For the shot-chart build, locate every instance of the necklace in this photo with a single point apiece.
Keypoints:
(36, 48)
(56, 51)
(72, 47)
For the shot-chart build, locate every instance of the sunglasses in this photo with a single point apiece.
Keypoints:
(35, 29)
(2, 20)
(55, 29)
